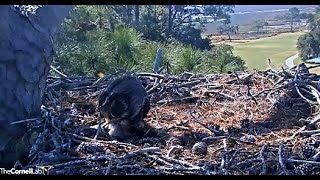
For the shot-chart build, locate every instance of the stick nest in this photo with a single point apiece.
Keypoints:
(261, 122)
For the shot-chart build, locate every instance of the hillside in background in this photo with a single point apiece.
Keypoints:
(251, 8)
(245, 16)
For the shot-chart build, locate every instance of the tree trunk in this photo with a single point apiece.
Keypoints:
(291, 24)
(169, 20)
(129, 14)
(137, 14)
(26, 52)
(112, 23)
(229, 37)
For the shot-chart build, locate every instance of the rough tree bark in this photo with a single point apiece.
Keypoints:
(137, 14)
(26, 52)
(229, 37)
(169, 20)
(129, 14)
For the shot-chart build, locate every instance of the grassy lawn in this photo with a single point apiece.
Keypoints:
(278, 48)
(297, 61)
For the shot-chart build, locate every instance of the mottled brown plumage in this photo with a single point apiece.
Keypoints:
(125, 104)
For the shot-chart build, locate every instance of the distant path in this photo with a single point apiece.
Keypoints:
(289, 61)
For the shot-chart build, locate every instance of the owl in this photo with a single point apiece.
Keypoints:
(125, 104)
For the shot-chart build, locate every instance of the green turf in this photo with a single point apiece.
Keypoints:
(298, 61)
(277, 48)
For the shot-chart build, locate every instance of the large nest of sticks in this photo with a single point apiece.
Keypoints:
(261, 122)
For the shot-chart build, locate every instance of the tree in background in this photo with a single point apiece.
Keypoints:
(91, 41)
(309, 43)
(293, 16)
(160, 22)
(226, 27)
(236, 28)
(152, 23)
(307, 46)
(190, 60)
(85, 50)
(221, 59)
(259, 24)
(192, 18)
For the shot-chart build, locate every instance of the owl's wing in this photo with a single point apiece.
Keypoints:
(103, 98)
(146, 107)
(119, 105)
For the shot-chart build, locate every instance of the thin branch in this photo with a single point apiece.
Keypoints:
(57, 71)
(303, 161)
(311, 132)
(23, 121)
(281, 160)
(261, 156)
(172, 149)
(214, 131)
(188, 16)
(212, 138)
(142, 151)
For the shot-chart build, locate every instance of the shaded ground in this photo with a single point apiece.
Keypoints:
(237, 123)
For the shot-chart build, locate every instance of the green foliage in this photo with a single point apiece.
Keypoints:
(190, 59)
(221, 59)
(81, 58)
(90, 41)
(171, 54)
(107, 52)
(126, 44)
(83, 44)
(259, 24)
(186, 27)
(190, 35)
(219, 11)
(293, 16)
(294, 12)
(152, 23)
(309, 43)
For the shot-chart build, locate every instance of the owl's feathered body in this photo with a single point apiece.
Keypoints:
(125, 104)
